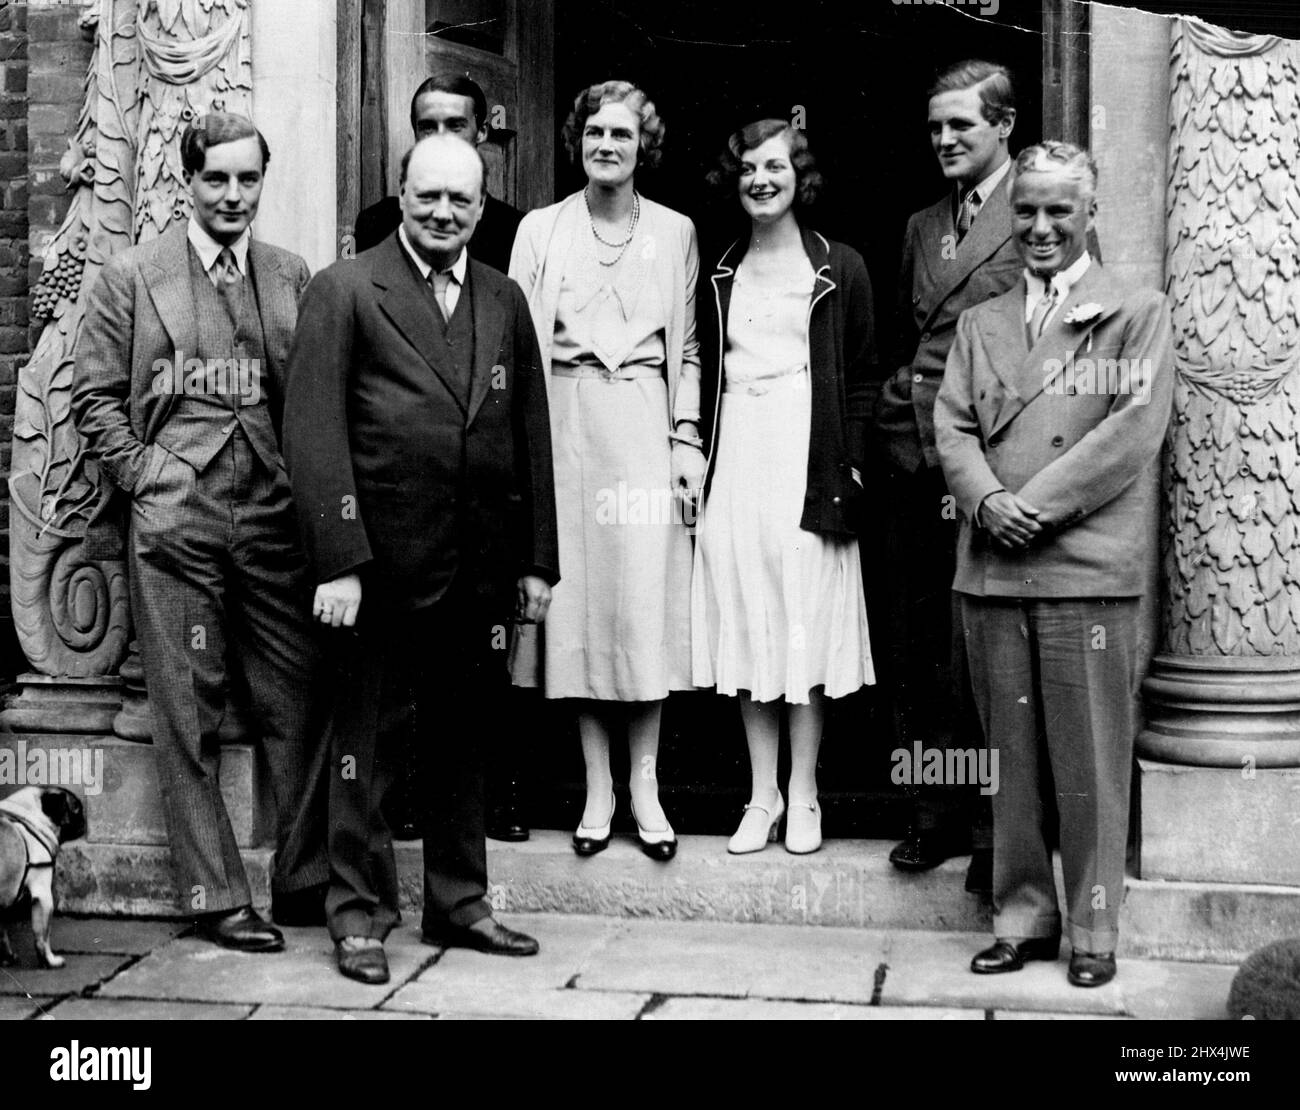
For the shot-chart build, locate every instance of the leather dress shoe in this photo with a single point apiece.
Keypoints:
(979, 875)
(589, 840)
(498, 941)
(241, 929)
(923, 850)
(300, 907)
(1091, 969)
(505, 817)
(366, 963)
(658, 844)
(1006, 955)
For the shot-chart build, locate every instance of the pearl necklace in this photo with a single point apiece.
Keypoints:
(631, 229)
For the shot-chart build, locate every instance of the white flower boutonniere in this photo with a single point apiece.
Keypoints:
(1083, 313)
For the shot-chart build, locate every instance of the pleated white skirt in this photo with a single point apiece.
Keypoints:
(775, 611)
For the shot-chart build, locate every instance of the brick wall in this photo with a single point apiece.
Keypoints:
(43, 62)
(15, 342)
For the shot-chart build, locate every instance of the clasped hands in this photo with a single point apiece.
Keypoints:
(1010, 520)
(338, 601)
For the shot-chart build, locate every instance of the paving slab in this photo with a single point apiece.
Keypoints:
(75, 976)
(18, 1008)
(116, 935)
(934, 969)
(761, 1009)
(771, 961)
(567, 946)
(319, 1013)
(1166, 990)
(304, 974)
(132, 1009)
(429, 995)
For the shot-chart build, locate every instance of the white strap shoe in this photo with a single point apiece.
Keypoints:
(758, 827)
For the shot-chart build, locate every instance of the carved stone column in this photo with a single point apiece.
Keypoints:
(1224, 691)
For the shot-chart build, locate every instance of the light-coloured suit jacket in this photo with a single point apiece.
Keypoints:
(141, 309)
(1073, 426)
(664, 250)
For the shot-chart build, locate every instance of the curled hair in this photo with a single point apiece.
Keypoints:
(615, 92)
(996, 87)
(212, 130)
(1051, 154)
(455, 84)
(808, 178)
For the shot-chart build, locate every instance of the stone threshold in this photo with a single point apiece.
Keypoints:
(848, 884)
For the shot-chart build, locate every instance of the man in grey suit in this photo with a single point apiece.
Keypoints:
(1049, 424)
(177, 394)
(958, 252)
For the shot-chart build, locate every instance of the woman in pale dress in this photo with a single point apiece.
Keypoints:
(610, 278)
(778, 608)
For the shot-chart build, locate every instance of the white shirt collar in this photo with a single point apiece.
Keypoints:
(985, 188)
(457, 268)
(1062, 281)
(208, 248)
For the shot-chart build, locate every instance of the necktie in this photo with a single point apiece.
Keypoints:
(1043, 309)
(966, 214)
(226, 277)
(440, 281)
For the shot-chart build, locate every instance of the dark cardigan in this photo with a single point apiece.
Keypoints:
(843, 370)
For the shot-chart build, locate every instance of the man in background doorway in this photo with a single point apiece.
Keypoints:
(454, 104)
(957, 253)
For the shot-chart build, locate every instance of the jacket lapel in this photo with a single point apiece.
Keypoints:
(1060, 340)
(987, 235)
(489, 326)
(405, 300)
(168, 282)
(1005, 350)
(276, 303)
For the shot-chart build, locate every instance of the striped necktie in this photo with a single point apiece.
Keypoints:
(1042, 310)
(966, 213)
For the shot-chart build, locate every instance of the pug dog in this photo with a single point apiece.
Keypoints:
(34, 821)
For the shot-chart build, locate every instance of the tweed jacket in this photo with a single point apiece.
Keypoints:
(141, 309)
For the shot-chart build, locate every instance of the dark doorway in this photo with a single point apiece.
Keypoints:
(858, 74)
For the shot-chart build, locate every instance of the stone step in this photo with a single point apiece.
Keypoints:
(118, 782)
(850, 883)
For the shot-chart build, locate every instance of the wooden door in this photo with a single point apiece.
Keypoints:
(386, 49)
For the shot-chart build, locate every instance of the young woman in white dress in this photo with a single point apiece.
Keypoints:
(777, 603)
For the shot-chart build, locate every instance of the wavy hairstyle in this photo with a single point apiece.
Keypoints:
(808, 178)
(615, 92)
(214, 129)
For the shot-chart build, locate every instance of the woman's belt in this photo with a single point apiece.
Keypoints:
(759, 386)
(623, 374)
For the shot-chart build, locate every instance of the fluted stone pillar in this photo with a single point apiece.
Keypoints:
(1223, 693)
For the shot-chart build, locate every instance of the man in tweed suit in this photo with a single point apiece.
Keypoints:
(177, 394)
